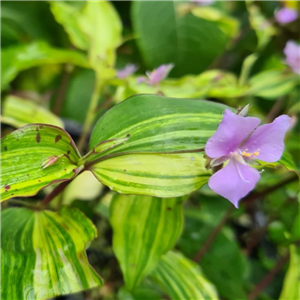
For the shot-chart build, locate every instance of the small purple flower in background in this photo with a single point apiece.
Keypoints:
(240, 140)
(286, 15)
(203, 2)
(157, 75)
(127, 71)
(292, 53)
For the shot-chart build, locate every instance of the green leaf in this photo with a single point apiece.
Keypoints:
(67, 15)
(25, 154)
(158, 124)
(18, 112)
(182, 278)
(286, 161)
(187, 41)
(144, 228)
(43, 253)
(228, 275)
(263, 28)
(159, 175)
(272, 84)
(95, 27)
(19, 58)
(226, 23)
(212, 83)
(151, 161)
(291, 285)
(139, 293)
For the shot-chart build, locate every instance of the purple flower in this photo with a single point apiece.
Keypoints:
(127, 71)
(203, 2)
(157, 75)
(240, 140)
(286, 15)
(292, 53)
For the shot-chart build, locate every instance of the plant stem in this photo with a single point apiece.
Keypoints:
(250, 198)
(246, 68)
(260, 194)
(61, 92)
(54, 193)
(213, 235)
(269, 277)
(90, 114)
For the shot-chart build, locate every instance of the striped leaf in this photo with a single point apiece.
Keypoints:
(18, 58)
(181, 278)
(34, 156)
(144, 228)
(158, 124)
(159, 175)
(162, 156)
(18, 112)
(43, 253)
(291, 284)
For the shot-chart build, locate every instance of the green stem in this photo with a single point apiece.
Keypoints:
(246, 68)
(90, 114)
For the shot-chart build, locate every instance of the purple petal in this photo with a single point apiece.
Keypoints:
(292, 53)
(141, 79)
(268, 139)
(232, 130)
(157, 75)
(127, 71)
(286, 15)
(234, 181)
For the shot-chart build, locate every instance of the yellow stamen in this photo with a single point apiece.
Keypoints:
(249, 154)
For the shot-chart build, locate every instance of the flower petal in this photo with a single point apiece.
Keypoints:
(232, 130)
(157, 75)
(234, 181)
(286, 15)
(126, 71)
(269, 139)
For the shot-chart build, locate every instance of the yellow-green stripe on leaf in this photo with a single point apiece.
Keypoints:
(144, 228)
(181, 278)
(160, 156)
(34, 156)
(18, 112)
(159, 175)
(43, 254)
(158, 124)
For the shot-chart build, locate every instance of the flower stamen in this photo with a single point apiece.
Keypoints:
(247, 154)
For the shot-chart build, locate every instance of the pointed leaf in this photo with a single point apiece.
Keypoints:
(18, 112)
(153, 125)
(169, 36)
(159, 175)
(291, 285)
(95, 27)
(158, 124)
(43, 253)
(182, 278)
(144, 229)
(19, 58)
(24, 154)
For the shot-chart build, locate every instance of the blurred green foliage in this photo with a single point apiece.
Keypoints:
(59, 66)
